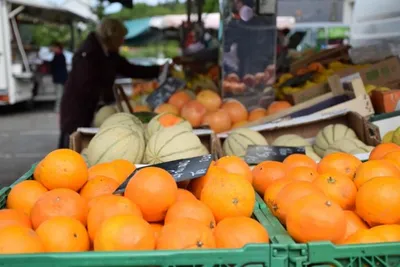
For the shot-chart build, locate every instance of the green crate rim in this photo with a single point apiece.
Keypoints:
(321, 253)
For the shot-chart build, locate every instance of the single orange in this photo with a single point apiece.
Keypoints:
(375, 168)
(265, 173)
(210, 100)
(236, 165)
(297, 160)
(340, 162)
(167, 108)
(14, 217)
(23, 195)
(302, 173)
(382, 149)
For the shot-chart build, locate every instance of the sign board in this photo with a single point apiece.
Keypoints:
(181, 170)
(164, 92)
(258, 154)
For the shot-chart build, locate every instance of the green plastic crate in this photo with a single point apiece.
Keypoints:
(255, 255)
(328, 254)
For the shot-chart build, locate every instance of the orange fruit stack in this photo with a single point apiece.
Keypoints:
(340, 199)
(71, 208)
(209, 109)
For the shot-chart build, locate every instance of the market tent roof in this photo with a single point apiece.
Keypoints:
(136, 27)
(211, 21)
(45, 11)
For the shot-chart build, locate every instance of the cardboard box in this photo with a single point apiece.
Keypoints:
(352, 98)
(81, 138)
(323, 57)
(383, 73)
(386, 102)
(386, 122)
(307, 94)
(309, 126)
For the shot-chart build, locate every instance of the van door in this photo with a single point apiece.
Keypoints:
(3, 53)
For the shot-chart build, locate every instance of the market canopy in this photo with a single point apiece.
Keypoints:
(36, 10)
(211, 21)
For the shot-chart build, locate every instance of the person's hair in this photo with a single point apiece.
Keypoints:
(111, 31)
(57, 44)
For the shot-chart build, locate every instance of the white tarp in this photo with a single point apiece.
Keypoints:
(51, 11)
(210, 20)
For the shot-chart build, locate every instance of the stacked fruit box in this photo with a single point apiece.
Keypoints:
(258, 254)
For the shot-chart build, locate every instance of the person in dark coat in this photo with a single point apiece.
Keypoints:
(94, 68)
(58, 67)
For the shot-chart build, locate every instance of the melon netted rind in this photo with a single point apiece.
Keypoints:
(173, 143)
(116, 142)
(290, 140)
(362, 150)
(330, 134)
(84, 156)
(346, 145)
(239, 139)
(102, 114)
(311, 153)
(124, 119)
(154, 125)
(205, 151)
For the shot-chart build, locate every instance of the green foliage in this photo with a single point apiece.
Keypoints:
(44, 34)
(142, 10)
(169, 49)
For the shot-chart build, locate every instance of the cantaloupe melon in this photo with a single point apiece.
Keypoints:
(121, 118)
(238, 140)
(362, 150)
(205, 150)
(84, 156)
(311, 153)
(329, 135)
(102, 114)
(295, 140)
(290, 140)
(157, 123)
(173, 143)
(116, 142)
(347, 145)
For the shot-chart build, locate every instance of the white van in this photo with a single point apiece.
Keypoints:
(17, 77)
(375, 22)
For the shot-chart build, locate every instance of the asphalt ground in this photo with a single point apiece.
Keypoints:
(26, 136)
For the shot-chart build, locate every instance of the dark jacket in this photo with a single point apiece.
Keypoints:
(59, 69)
(92, 78)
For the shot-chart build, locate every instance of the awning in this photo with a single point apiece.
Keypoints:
(37, 10)
(137, 27)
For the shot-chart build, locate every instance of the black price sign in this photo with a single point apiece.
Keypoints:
(258, 154)
(164, 92)
(181, 170)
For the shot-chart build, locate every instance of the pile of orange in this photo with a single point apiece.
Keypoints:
(70, 208)
(340, 199)
(208, 109)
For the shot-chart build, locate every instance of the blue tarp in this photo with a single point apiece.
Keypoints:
(136, 27)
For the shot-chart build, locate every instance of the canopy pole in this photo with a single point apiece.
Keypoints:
(189, 9)
(72, 44)
(25, 60)
(16, 11)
